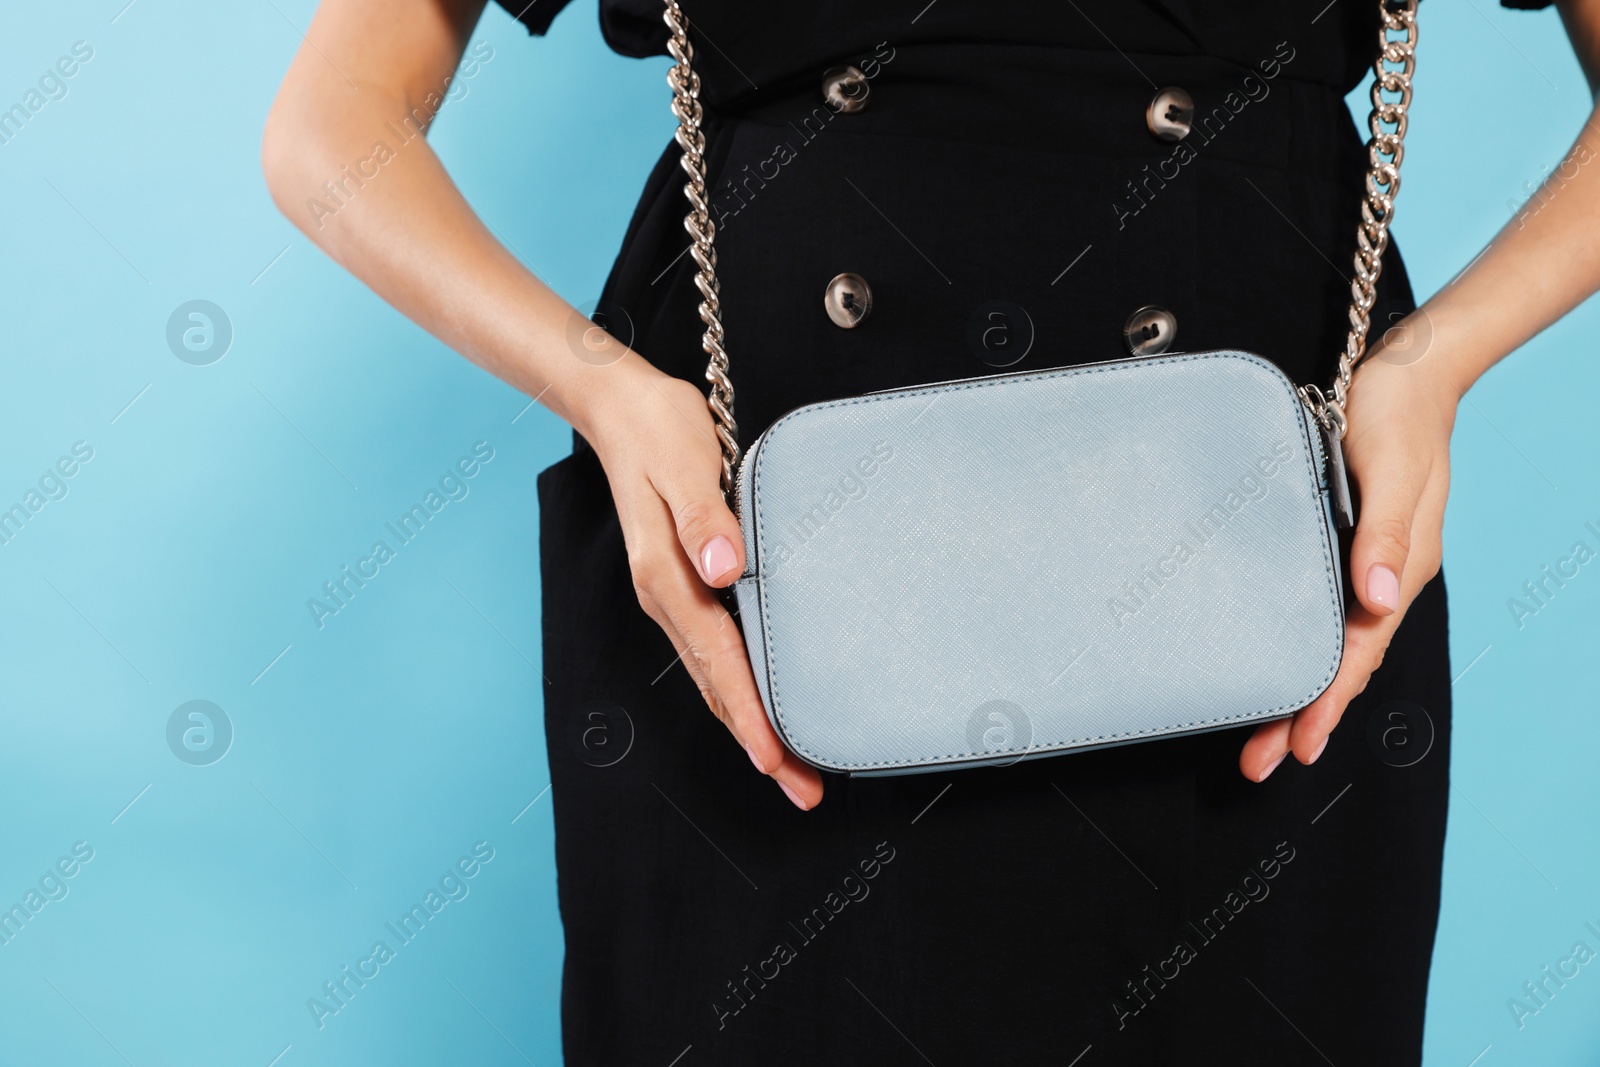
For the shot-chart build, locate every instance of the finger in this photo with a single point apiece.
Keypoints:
(712, 649)
(1265, 750)
(1382, 541)
(726, 664)
(705, 526)
(1367, 635)
(800, 782)
(1366, 640)
(720, 668)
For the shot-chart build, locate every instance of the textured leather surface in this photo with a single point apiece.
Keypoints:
(981, 571)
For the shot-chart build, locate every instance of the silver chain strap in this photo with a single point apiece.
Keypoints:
(1396, 62)
(686, 106)
(1393, 68)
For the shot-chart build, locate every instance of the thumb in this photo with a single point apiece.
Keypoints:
(1381, 544)
(708, 532)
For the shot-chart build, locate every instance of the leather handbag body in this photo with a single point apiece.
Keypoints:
(976, 572)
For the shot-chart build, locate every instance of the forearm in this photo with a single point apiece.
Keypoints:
(1541, 265)
(350, 168)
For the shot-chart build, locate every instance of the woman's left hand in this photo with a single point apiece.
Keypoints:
(1401, 408)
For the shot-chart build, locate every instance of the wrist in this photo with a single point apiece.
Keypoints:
(1416, 353)
(1456, 344)
(606, 399)
(1421, 393)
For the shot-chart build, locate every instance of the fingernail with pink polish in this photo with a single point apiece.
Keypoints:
(793, 798)
(1318, 752)
(752, 754)
(1272, 768)
(1383, 589)
(717, 558)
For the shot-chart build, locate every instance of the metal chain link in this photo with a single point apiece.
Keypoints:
(1393, 69)
(686, 106)
(1396, 63)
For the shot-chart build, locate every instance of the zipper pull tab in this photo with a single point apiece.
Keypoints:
(1344, 511)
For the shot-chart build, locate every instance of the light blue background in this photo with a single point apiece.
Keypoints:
(371, 754)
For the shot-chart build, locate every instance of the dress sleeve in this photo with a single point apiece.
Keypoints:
(536, 15)
(631, 27)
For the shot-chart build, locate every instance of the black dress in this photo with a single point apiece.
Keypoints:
(1137, 905)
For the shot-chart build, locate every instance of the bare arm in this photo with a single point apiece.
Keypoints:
(372, 73)
(1544, 263)
(1582, 20)
(345, 161)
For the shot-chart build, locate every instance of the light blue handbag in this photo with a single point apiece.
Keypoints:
(976, 572)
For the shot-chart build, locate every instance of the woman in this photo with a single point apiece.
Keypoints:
(1031, 180)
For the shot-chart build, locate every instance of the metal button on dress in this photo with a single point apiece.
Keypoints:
(848, 300)
(1150, 330)
(1170, 115)
(845, 89)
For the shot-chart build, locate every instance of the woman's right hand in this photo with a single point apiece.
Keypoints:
(414, 239)
(656, 440)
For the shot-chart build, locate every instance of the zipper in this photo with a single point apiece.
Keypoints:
(1319, 444)
(742, 507)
